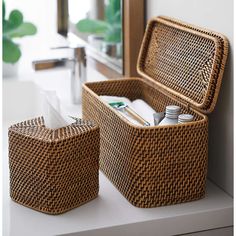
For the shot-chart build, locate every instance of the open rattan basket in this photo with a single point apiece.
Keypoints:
(53, 171)
(152, 166)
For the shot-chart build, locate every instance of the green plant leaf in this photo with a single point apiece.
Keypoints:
(110, 28)
(15, 19)
(92, 26)
(113, 37)
(11, 51)
(116, 5)
(23, 30)
(4, 26)
(114, 34)
(109, 14)
(111, 10)
(3, 10)
(117, 18)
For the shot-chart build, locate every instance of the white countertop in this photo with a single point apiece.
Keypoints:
(110, 213)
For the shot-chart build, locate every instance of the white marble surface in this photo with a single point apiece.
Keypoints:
(110, 213)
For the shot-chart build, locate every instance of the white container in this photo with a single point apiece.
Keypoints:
(185, 118)
(171, 116)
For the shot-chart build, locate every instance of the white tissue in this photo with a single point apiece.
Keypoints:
(52, 114)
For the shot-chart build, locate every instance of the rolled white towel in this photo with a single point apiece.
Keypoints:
(144, 110)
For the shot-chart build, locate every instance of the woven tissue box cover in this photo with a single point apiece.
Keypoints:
(53, 171)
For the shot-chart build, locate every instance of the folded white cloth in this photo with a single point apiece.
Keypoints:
(138, 105)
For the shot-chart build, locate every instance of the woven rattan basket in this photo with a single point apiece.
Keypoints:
(152, 166)
(53, 171)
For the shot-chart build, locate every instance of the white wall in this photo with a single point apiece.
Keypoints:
(216, 15)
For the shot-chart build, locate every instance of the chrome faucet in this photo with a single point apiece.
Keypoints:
(77, 64)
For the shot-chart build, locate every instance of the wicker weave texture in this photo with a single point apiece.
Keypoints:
(150, 166)
(185, 60)
(53, 171)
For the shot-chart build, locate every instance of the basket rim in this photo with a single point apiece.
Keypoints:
(141, 128)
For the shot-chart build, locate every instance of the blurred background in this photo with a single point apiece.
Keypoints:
(95, 23)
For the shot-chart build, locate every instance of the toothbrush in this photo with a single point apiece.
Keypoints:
(122, 106)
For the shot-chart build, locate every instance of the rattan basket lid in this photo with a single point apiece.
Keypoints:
(184, 61)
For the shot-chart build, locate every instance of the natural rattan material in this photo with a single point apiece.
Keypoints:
(184, 60)
(53, 171)
(150, 166)
(162, 165)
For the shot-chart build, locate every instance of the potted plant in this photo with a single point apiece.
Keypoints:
(13, 27)
(109, 28)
